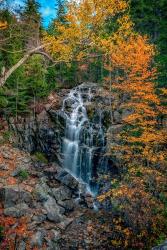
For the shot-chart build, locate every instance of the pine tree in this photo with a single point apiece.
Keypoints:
(61, 11)
(150, 17)
(29, 80)
(31, 20)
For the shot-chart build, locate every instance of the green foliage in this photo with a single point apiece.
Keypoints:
(40, 157)
(23, 174)
(1, 233)
(3, 102)
(150, 18)
(7, 135)
(60, 9)
(115, 184)
(139, 173)
(161, 239)
(32, 80)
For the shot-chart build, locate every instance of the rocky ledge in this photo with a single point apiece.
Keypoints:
(44, 195)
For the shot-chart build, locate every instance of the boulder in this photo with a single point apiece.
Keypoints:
(68, 205)
(126, 113)
(18, 211)
(67, 179)
(12, 195)
(41, 191)
(61, 193)
(89, 201)
(115, 129)
(54, 212)
(39, 218)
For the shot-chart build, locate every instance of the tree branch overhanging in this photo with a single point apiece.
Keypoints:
(38, 50)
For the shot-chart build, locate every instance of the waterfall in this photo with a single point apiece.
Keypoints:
(84, 139)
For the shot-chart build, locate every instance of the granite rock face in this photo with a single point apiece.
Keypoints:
(45, 133)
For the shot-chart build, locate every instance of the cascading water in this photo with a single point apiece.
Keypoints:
(84, 139)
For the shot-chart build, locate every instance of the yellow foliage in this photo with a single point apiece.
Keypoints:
(3, 25)
(84, 25)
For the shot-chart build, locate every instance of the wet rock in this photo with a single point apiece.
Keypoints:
(67, 179)
(18, 211)
(54, 212)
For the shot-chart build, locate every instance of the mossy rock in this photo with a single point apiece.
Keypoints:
(40, 157)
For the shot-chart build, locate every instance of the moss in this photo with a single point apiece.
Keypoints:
(7, 135)
(40, 157)
(23, 174)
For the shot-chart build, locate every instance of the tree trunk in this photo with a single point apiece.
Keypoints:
(5, 75)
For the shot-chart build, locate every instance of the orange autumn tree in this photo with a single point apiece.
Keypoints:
(140, 146)
(142, 138)
(83, 28)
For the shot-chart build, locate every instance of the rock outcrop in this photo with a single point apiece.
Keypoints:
(47, 198)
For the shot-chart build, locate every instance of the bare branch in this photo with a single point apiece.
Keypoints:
(6, 74)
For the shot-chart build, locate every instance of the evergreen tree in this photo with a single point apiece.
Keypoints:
(150, 17)
(61, 11)
(29, 81)
(31, 20)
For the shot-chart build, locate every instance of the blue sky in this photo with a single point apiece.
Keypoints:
(47, 9)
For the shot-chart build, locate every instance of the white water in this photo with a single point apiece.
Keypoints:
(79, 143)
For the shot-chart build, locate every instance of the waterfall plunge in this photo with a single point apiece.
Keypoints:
(83, 138)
